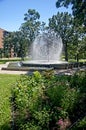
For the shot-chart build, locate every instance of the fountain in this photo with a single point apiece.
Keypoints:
(45, 54)
(46, 51)
(47, 48)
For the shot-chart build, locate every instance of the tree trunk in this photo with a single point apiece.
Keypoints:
(77, 57)
(66, 52)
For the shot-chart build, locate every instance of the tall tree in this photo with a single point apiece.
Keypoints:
(21, 40)
(8, 44)
(78, 8)
(31, 26)
(16, 42)
(20, 44)
(77, 40)
(62, 24)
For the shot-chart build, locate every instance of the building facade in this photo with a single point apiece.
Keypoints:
(3, 33)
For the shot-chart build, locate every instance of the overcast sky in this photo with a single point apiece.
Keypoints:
(12, 11)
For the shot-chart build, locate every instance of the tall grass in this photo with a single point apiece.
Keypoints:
(6, 82)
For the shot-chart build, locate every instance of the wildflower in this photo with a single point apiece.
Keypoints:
(60, 122)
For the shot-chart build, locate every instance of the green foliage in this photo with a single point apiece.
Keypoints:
(42, 117)
(62, 24)
(4, 60)
(27, 94)
(31, 26)
(30, 126)
(79, 81)
(73, 35)
(78, 8)
(16, 42)
(6, 82)
(82, 123)
(41, 100)
(20, 41)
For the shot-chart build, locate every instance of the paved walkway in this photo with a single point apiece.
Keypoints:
(10, 72)
(58, 72)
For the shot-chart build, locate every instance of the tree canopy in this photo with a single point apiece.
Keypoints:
(31, 25)
(62, 24)
(78, 8)
(72, 33)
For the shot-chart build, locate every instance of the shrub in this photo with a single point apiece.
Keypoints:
(42, 100)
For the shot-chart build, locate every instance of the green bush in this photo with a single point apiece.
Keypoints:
(82, 123)
(43, 100)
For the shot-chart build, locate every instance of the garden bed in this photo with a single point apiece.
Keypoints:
(49, 102)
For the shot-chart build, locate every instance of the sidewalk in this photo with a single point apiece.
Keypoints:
(10, 72)
(57, 72)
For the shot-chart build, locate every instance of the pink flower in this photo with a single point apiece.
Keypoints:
(60, 122)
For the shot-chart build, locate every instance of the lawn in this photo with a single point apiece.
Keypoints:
(6, 82)
(4, 60)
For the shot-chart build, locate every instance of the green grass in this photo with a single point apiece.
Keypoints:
(6, 82)
(4, 60)
(73, 60)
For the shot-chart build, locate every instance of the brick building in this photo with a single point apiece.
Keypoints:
(2, 34)
(2, 31)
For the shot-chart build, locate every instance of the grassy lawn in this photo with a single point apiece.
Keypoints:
(73, 60)
(6, 82)
(4, 60)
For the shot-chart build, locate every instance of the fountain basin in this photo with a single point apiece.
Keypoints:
(35, 65)
(46, 64)
(42, 66)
